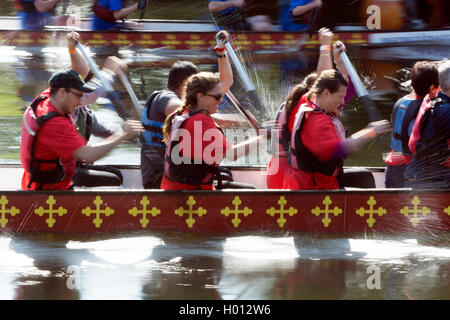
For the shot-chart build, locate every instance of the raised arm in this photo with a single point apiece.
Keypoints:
(339, 47)
(77, 61)
(225, 71)
(325, 62)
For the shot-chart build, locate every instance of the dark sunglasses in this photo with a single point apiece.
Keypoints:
(217, 97)
(79, 95)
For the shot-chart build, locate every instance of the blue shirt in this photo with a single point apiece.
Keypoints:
(34, 20)
(100, 24)
(286, 17)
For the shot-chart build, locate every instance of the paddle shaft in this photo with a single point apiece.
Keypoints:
(370, 107)
(108, 88)
(127, 85)
(248, 85)
(251, 119)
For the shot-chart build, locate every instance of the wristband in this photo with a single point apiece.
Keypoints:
(217, 49)
(221, 55)
(325, 47)
(72, 51)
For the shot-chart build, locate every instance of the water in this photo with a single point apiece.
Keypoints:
(183, 266)
(173, 266)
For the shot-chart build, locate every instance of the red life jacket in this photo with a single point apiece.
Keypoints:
(103, 12)
(281, 138)
(416, 134)
(302, 159)
(440, 143)
(26, 6)
(30, 128)
(188, 171)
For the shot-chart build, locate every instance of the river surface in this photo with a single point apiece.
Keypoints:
(173, 266)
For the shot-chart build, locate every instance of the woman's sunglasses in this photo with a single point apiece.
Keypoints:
(217, 97)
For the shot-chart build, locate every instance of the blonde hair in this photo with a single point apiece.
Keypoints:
(199, 82)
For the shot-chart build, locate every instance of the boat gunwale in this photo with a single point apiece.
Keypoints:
(206, 22)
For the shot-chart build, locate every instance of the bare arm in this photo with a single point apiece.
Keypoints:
(91, 153)
(217, 6)
(225, 71)
(125, 12)
(45, 5)
(230, 120)
(242, 149)
(299, 10)
(339, 47)
(360, 138)
(77, 61)
(325, 62)
(173, 105)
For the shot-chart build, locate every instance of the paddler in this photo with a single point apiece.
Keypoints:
(430, 165)
(50, 152)
(162, 103)
(87, 122)
(318, 142)
(36, 14)
(425, 81)
(109, 13)
(195, 143)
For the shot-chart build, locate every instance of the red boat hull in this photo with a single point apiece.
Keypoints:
(225, 212)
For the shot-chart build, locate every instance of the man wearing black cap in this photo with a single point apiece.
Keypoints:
(57, 144)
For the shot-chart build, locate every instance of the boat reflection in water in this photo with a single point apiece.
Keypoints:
(195, 267)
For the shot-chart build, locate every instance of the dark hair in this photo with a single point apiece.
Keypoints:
(180, 71)
(423, 75)
(53, 91)
(199, 82)
(329, 79)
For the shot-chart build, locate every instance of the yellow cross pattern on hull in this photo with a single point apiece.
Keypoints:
(144, 220)
(281, 220)
(380, 211)
(190, 220)
(97, 211)
(50, 211)
(3, 211)
(236, 220)
(447, 210)
(326, 220)
(415, 211)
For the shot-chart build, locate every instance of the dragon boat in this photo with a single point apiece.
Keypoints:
(199, 35)
(368, 209)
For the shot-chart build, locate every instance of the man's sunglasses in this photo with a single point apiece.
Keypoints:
(217, 97)
(79, 95)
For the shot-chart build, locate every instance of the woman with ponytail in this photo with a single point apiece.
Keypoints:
(195, 144)
(318, 142)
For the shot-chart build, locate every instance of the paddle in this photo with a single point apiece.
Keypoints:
(251, 118)
(143, 10)
(371, 109)
(110, 93)
(134, 99)
(248, 85)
